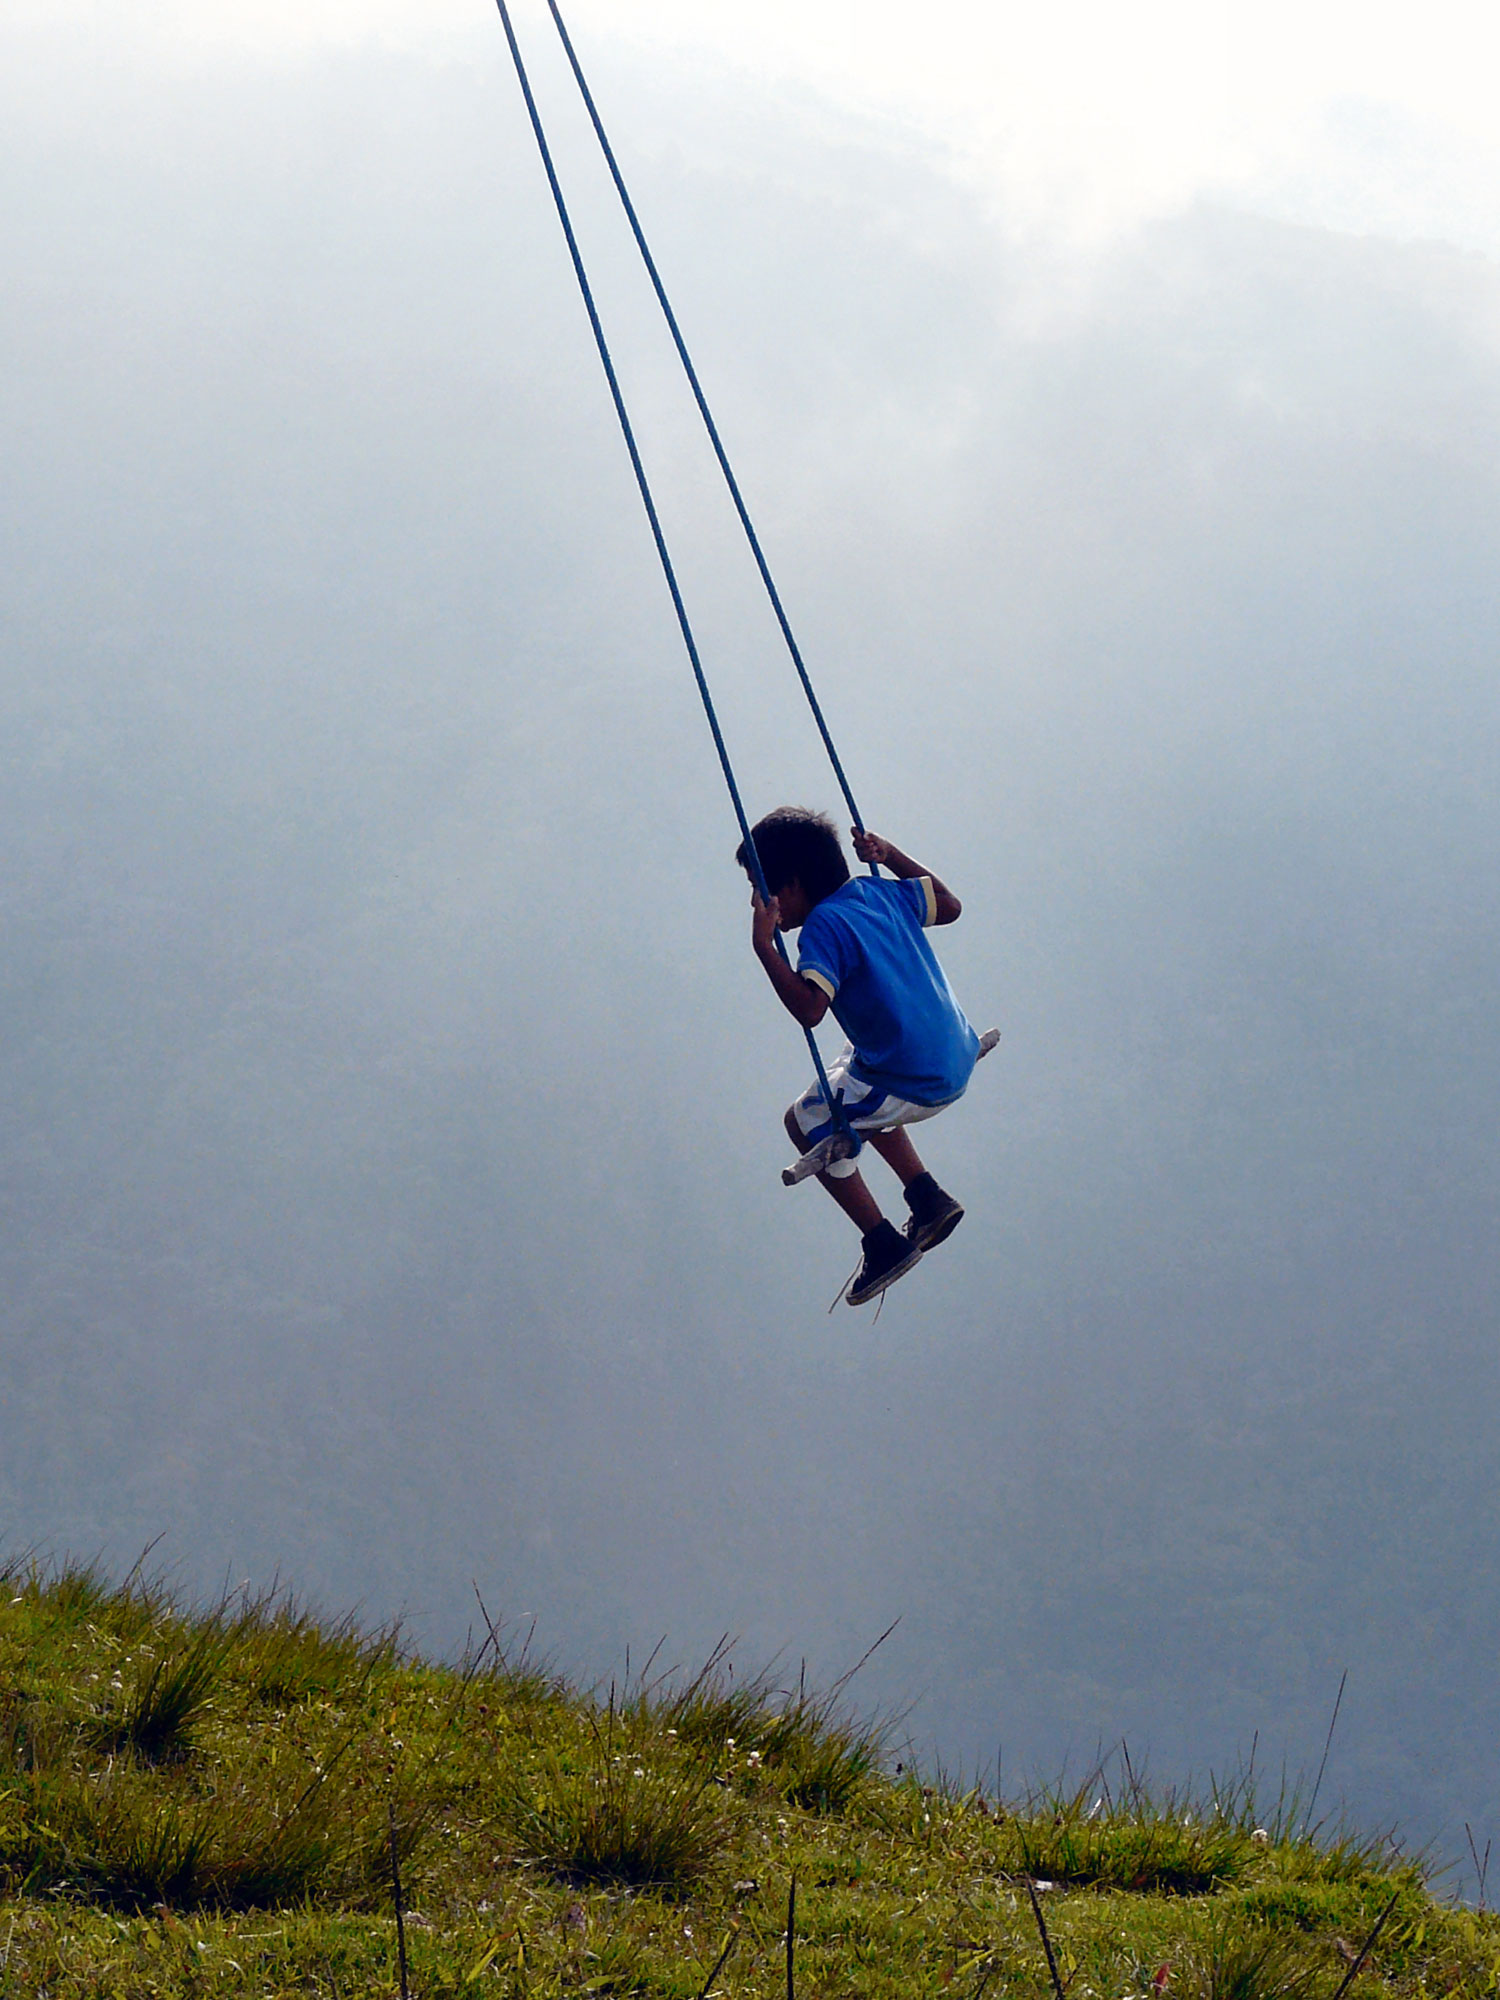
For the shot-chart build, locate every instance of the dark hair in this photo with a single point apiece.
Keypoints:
(794, 843)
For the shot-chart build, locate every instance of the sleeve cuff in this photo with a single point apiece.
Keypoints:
(818, 979)
(929, 896)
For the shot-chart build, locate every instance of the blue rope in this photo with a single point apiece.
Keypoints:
(835, 1103)
(713, 430)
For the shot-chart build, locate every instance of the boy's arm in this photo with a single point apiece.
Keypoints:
(805, 1002)
(870, 847)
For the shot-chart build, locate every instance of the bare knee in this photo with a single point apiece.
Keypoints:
(794, 1131)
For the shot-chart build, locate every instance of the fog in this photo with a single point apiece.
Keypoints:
(391, 1116)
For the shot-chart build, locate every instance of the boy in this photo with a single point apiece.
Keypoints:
(863, 954)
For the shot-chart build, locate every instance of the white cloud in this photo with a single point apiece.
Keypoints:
(1375, 117)
(1370, 115)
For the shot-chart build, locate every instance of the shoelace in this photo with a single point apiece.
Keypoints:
(843, 1292)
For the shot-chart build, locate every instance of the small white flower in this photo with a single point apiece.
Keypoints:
(1261, 1837)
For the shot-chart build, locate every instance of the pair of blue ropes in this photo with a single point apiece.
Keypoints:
(843, 1142)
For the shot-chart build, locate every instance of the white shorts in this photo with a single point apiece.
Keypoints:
(867, 1108)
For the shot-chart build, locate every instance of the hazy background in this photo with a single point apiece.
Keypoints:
(390, 1123)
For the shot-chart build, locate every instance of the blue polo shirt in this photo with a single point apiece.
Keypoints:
(866, 947)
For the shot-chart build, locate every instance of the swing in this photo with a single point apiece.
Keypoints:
(841, 1143)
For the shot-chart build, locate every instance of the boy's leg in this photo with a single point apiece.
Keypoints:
(850, 1191)
(888, 1253)
(898, 1152)
(934, 1213)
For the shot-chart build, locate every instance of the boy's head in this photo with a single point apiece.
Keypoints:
(799, 850)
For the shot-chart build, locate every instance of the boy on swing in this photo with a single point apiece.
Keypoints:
(864, 955)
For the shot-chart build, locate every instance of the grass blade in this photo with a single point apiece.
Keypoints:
(400, 1913)
(1328, 1742)
(1041, 1923)
(791, 1939)
(719, 1963)
(1366, 1948)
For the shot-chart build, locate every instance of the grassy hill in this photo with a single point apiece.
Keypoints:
(218, 1802)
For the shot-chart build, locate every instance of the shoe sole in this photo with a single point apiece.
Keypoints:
(886, 1278)
(932, 1233)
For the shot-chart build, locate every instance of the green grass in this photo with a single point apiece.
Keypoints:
(814, 1750)
(287, 1656)
(170, 1688)
(618, 1805)
(202, 1803)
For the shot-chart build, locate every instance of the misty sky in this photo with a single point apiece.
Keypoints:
(390, 1128)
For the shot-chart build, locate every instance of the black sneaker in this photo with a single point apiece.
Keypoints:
(934, 1213)
(888, 1256)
